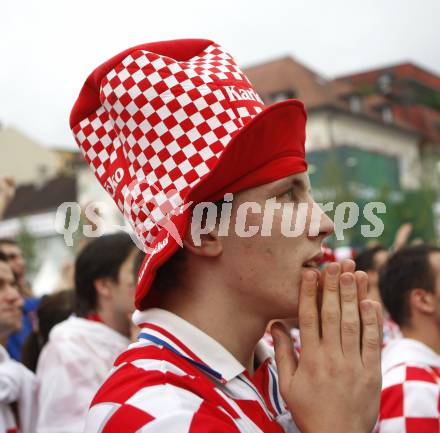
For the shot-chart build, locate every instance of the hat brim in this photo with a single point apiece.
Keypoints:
(268, 148)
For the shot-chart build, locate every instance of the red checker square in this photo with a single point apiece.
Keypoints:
(195, 160)
(181, 76)
(167, 138)
(220, 131)
(157, 103)
(153, 119)
(223, 117)
(210, 98)
(416, 373)
(93, 116)
(187, 125)
(111, 98)
(216, 147)
(125, 99)
(163, 155)
(207, 113)
(140, 100)
(88, 129)
(179, 157)
(114, 82)
(391, 405)
(138, 117)
(183, 141)
(170, 122)
(148, 152)
(160, 87)
(173, 105)
(127, 419)
(126, 131)
(160, 171)
(137, 133)
(203, 128)
(98, 146)
(100, 132)
(175, 173)
(144, 84)
(136, 54)
(125, 115)
(191, 176)
(128, 83)
(190, 109)
(119, 67)
(419, 425)
(151, 135)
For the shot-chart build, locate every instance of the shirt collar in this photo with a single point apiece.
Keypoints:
(190, 342)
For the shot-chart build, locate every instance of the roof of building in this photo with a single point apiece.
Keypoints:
(31, 199)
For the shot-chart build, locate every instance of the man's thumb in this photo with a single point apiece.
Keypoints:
(285, 356)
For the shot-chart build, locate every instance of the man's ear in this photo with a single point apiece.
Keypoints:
(206, 244)
(422, 301)
(103, 287)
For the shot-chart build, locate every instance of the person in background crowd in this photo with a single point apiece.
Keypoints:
(15, 258)
(52, 310)
(18, 385)
(410, 289)
(371, 261)
(81, 349)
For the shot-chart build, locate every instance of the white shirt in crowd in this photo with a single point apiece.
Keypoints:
(18, 385)
(72, 366)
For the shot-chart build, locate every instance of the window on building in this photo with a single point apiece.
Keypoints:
(384, 81)
(282, 95)
(387, 114)
(355, 103)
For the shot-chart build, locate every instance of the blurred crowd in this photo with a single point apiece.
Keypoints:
(56, 350)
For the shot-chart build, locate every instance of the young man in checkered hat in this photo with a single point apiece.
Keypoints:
(410, 289)
(169, 129)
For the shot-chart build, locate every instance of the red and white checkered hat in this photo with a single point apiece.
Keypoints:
(171, 123)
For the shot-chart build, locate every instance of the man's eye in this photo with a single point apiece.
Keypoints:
(290, 195)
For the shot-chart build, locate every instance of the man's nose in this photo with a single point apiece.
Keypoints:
(321, 225)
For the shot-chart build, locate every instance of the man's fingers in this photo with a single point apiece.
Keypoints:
(350, 322)
(379, 314)
(348, 265)
(308, 317)
(285, 356)
(371, 335)
(362, 285)
(331, 310)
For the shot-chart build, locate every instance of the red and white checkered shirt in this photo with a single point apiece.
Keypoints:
(410, 401)
(178, 379)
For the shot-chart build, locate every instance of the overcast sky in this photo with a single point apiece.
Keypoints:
(48, 47)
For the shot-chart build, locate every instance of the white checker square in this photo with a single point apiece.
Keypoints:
(103, 155)
(169, 164)
(197, 119)
(142, 159)
(138, 76)
(171, 81)
(185, 167)
(210, 138)
(393, 425)
(394, 376)
(180, 183)
(421, 399)
(189, 150)
(202, 169)
(158, 63)
(154, 78)
(184, 99)
(161, 400)
(163, 112)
